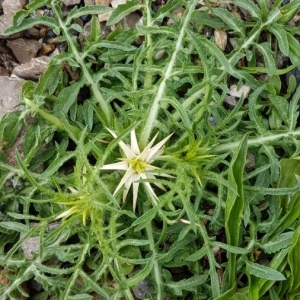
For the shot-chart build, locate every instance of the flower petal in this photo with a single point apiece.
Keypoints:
(158, 184)
(149, 189)
(126, 180)
(162, 174)
(111, 132)
(134, 144)
(129, 154)
(135, 189)
(154, 152)
(122, 165)
(143, 155)
(73, 191)
(67, 213)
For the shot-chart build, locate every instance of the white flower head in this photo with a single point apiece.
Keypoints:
(138, 166)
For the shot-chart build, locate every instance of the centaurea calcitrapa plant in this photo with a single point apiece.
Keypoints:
(135, 176)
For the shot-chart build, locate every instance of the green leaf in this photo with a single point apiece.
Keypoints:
(167, 9)
(265, 50)
(235, 204)
(292, 212)
(278, 262)
(288, 11)
(281, 105)
(281, 37)
(271, 191)
(67, 97)
(294, 47)
(289, 168)
(230, 20)
(176, 247)
(200, 41)
(250, 6)
(10, 126)
(93, 285)
(273, 294)
(37, 4)
(56, 164)
(115, 45)
(95, 32)
(48, 82)
(86, 10)
(200, 18)
(189, 284)
(280, 242)
(181, 111)
(15, 226)
(80, 297)
(232, 249)
(293, 110)
(122, 11)
(132, 242)
(138, 277)
(76, 27)
(144, 219)
(144, 30)
(29, 23)
(292, 85)
(19, 16)
(197, 255)
(254, 109)
(264, 272)
(294, 261)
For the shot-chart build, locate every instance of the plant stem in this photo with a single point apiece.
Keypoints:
(256, 141)
(148, 76)
(156, 267)
(150, 121)
(107, 111)
(211, 260)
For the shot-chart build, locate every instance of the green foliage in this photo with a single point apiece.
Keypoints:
(222, 203)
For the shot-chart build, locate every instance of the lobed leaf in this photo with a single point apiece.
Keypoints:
(86, 10)
(29, 23)
(230, 20)
(265, 50)
(294, 261)
(189, 284)
(234, 205)
(122, 11)
(250, 6)
(280, 242)
(281, 37)
(264, 272)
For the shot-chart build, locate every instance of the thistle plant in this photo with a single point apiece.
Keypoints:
(214, 187)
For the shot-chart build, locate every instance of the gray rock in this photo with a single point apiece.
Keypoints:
(30, 246)
(89, 2)
(33, 69)
(142, 289)
(130, 20)
(3, 72)
(9, 97)
(71, 2)
(5, 22)
(23, 49)
(11, 6)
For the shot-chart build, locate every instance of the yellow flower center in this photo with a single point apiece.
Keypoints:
(137, 165)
